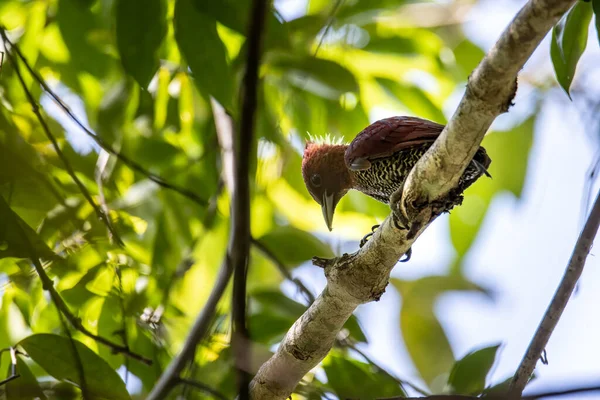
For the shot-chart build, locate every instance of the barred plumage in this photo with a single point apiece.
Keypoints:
(386, 175)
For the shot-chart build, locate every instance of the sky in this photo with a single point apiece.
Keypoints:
(523, 246)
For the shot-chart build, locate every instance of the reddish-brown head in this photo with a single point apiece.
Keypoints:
(326, 176)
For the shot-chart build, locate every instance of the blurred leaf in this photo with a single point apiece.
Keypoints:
(55, 354)
(140, 28)
(26, 387)
(323, 77)
(413, 98)
(392, 45)
(468, 55)
(293, 246)
(234, 15)
(596, 7)
(17, 239)
(79, 28)
(283, 312)
(423, 335)
(352, 379)
(468, 374)
(509, 152)
(569, 39)
(198, 40)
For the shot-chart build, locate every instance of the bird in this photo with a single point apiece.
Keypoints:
(376, 162)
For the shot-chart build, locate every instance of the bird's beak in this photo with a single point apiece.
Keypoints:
(328, 207)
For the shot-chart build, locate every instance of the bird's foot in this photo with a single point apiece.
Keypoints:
(365, 239)
(407, 255)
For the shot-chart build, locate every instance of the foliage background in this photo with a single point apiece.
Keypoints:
(141, 78)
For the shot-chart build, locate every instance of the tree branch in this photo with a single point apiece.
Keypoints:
(237, 183)
(239, 246)
(559, 301)
(490, 91)
(363, 276)
(170, 376)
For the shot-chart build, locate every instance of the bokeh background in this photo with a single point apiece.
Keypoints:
(478, 278)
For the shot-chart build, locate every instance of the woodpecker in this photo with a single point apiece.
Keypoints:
(376, 162)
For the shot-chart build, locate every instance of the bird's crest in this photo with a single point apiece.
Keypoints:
(327, 139)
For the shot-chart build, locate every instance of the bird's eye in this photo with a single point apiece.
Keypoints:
(315, 180)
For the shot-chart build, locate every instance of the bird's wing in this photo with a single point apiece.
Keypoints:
(387, 136)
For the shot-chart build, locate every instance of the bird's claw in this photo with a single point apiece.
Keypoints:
(365, 239)
(407, 255)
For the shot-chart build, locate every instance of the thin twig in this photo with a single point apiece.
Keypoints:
(536, 396)
(106, 146)
(170, 376)
(283, 270)
(48, 285)
(82, 382)
(124, 328)
(239, 245)
(563, 392)
(559, 301)
(401, 382)
(361, 277)
(13, 365)
(203, 387)
(36, 110)
(328, 25)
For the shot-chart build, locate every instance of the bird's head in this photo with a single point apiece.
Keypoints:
(326, 176)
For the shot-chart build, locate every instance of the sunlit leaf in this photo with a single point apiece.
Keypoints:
(469, 374)
(198, 40)
(55, 354)
(141, 28)
(569, 39)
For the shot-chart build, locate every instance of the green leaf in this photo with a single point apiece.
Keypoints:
(468, 374)
(234, 15)
(424, 336)
(293, 246)
(141, 28)
(509, 152)
(276, 313)
(80, 29)
(200, 44)
(596, 7)
(55, 354)
(413, 98)
(17, 239)
(352, 379)
(468, 55)
(569, 38)
(25, 387)
(323, 77)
